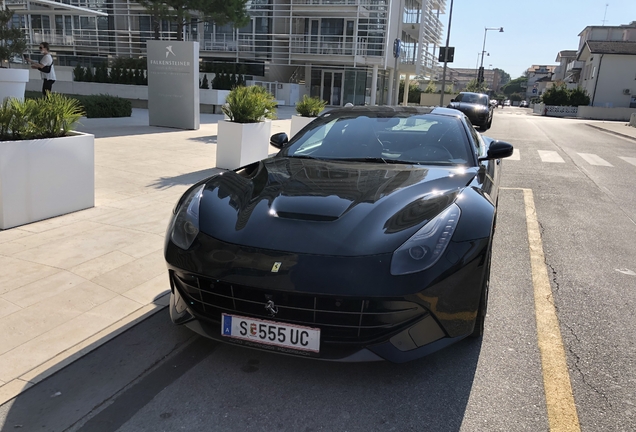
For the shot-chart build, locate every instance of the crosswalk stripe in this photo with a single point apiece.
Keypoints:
(593, 159)
(550, 156)
(515, 155)
(630, 160)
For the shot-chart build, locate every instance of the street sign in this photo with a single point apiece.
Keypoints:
(534, 90)
(442, 54)
(397, 48)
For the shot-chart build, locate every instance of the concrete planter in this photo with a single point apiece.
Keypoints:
(240, 144)
(298, 122)
(213, 97)
(13, 83)
(40, 179)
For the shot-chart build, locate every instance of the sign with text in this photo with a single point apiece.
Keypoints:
(173, 84)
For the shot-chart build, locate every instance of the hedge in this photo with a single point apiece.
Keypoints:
(98, 106)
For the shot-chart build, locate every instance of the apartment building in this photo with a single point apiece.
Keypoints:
(340, 50)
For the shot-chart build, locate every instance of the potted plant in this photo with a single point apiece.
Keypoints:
(12, 45)
(308, 109)
(244, 137)
(46, 169)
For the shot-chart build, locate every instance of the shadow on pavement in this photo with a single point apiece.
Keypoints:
(184, 179)
(208, 139)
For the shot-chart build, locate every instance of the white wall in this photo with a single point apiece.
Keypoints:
(617, 72)
(601, 113)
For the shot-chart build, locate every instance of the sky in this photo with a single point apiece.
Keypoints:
(534, 31)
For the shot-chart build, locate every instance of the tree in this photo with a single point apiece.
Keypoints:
(477, 87)
(181, 12)
(578, 97)
(431, 87)
(12, 40)
(517, 85)
(504, 77)
(516, 97)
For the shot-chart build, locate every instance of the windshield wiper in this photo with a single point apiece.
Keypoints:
(383, 160)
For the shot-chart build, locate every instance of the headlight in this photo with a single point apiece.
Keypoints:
(427, 245)
(186, 222)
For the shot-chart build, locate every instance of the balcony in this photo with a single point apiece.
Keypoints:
(338, 8)
(575, 66)
(335, 49)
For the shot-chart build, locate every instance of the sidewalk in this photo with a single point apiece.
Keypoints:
(71, 283)
(615, 127)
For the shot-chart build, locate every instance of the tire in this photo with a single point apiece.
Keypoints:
(478, 330)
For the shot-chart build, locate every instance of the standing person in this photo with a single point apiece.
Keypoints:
(46, 68)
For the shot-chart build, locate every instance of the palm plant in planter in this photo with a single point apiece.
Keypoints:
(308, 109)
(46, 169)
(244, 137)
(12, 44)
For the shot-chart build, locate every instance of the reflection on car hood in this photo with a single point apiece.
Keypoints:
(327, 207)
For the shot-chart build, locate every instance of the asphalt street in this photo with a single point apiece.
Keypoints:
(158, 377)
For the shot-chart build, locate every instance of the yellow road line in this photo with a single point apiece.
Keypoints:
(562, 414)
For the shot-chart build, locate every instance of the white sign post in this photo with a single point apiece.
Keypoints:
(173, 84)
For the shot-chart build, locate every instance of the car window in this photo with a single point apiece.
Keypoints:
(472, 98)
(402, 138)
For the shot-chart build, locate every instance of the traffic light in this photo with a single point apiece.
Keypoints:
(480, 75)
(442, 52)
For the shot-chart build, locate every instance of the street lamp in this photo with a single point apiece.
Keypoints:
(483, 49)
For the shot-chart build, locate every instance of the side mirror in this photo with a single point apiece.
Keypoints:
(452, 100)
(498, 150)
(279, 140)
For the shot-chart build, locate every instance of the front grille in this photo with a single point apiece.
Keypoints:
(341, 319)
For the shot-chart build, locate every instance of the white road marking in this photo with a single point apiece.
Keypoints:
(626, 271)
(515, 155)
(593, 159)
(550, 156)
(630, 160)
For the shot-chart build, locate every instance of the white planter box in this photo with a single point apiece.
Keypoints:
(213, 97)
(240, 144)
(40, 179)
(298, 122)
(13, 83)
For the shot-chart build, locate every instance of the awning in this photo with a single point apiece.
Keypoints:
(50, 7)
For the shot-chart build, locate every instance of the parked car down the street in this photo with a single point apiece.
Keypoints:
(476, 107)
(523, 104)
(367, 237)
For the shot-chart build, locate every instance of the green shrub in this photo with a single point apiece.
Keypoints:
(204, 83)
(97, 106)
(88, 76)
(103, 106)
(51, 116)
(516, 97)
(78, 73)
(556, 95)
(101, 73)
(578, 97)
(249, 105)
(310, 106)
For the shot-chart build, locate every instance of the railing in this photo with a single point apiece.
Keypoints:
(363, 3)
(335, 45)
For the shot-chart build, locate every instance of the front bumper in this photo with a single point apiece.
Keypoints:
(363, 312)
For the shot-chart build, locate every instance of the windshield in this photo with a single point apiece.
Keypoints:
(415, 139)
(472, 98)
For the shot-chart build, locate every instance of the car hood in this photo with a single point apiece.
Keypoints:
(465, 106)
(326, 207)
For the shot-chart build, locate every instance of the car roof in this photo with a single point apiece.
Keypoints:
(480, 94)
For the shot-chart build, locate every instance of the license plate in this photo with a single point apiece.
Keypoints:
(271, 333)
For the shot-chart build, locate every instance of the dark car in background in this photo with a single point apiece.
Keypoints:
(477, 108)
(367, 237)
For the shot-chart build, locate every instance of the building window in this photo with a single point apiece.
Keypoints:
(593, 72)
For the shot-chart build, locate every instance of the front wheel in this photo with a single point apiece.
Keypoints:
(480, 321)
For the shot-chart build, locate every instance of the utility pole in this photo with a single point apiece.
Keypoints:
(450, 19)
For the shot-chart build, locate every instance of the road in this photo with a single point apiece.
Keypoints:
(157, 377)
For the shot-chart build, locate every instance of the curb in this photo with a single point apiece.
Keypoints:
(19, 385)
(612, 132)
